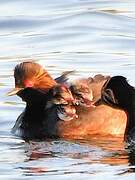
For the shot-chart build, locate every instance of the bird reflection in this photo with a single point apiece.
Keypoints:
(112, 151)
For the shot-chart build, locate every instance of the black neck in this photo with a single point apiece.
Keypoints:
(130, 119)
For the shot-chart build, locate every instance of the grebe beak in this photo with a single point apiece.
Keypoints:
(14, 91)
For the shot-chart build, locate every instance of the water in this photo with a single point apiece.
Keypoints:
(89, 36)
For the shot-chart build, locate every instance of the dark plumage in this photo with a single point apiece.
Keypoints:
(118, 93)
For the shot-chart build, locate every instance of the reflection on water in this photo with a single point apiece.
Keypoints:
(88, 36)
(90, 157)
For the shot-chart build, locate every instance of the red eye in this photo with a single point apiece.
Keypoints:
(28, 83)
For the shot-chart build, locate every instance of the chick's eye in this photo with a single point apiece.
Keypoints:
(79, 95)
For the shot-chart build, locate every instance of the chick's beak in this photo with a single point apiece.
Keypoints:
(14, 91)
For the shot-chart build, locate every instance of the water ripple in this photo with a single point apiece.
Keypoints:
(88, 36)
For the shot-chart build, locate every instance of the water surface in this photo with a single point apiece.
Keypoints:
(89, 36)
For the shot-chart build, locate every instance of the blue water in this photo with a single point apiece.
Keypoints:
(89, 36)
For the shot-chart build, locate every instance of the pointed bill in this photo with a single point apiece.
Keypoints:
(14, 91)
